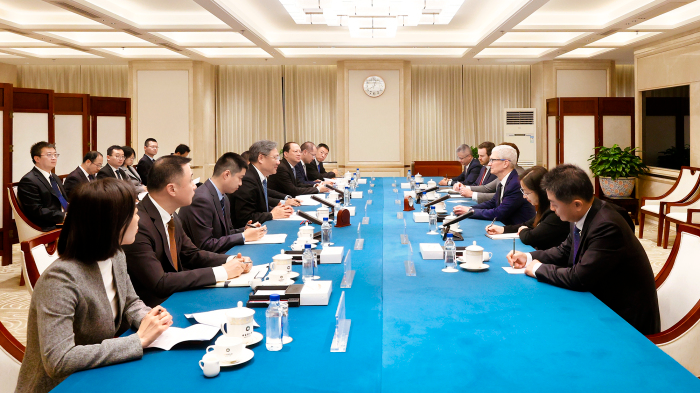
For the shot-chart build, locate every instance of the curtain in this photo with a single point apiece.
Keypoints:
(96, 80)
(248, 106)
(309, 104)
(624, 80)
(437, 112)
(488, 90)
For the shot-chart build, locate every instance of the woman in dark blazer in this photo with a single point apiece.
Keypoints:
(546, 229)
(82, 299)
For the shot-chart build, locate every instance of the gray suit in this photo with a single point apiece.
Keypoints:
(487, 191)
(71, 327)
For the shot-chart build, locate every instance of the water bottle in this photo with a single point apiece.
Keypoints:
(273, 317)
(357, 173)
(326, 232)
(346, 196)
(413, 184)
(307, 264)
(432, 219)
(353, 184)
(450, 253)
(408, 177)
(284, 309)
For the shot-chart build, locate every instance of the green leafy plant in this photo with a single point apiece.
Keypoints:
(475, 152)
(615, 162)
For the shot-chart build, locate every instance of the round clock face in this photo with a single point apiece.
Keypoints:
(374, 86)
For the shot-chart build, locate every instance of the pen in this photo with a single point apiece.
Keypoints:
(491, 224)
(250, 226)
(514, 248)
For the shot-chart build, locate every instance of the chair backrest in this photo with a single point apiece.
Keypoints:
(25, 228)
(677, 282)
(38, 253)
(11, 355)
(686, 185)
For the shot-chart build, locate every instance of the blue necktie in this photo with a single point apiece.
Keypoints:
(223, 209)
(265, 191)
(577, 241)
(319, 167)
(91, 177)
(57, 191)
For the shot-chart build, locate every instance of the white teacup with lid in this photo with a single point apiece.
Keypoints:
(450, 218)
(307, 231)
(473, 256)
(431, 183)
(239, 322)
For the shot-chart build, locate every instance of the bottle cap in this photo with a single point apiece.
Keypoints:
(423, 192)
(432, 207)
(274, 297)
(347, 188)
(309, 245)
(325, 219)
(449, 236)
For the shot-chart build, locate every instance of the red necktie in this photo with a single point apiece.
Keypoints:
(481, 181)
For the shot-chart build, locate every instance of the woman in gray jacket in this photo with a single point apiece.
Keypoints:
(82, 299)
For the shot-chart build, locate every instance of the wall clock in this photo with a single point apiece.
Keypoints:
(374, 86)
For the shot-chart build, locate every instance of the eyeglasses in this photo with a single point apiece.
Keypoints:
(98, 166)
(274, 158)
(498, 159)
(118, 157)
(525, 193)
(50, 155)
(463, 158)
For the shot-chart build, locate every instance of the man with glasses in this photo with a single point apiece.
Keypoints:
(150, 148)
(40, 193)
(472, 167)
(115, 159)
(507, 205)
(85, 172)
(483, 193)
(254, 200)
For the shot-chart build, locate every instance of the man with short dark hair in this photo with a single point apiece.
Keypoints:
(485, 176)
(472, 167)
(602, 255)
(308, 153)
(150, 148)
(315, 169)
(162, 260)
(115, 159)
(207, 220)
(40, 193)
(182, 150)
(285, 180)
(85, 172)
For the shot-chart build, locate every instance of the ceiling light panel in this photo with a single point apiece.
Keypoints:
(584, 52)
(384, 52)
(159, 12)
(675, 18)
(96, 38)
(232, 52)
(38, 12)
(142, 52)
(586, 12)
(204, 37)
(513, 52)
(55, 53)
(622, 38)
(11, 38)
(555, 38)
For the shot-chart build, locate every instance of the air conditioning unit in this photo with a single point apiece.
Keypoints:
(520, 129)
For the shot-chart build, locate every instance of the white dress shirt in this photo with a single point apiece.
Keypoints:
(110, 287)
(117, 173)
(47, 175)
(219, 271)
(87, 175)
(263, 178)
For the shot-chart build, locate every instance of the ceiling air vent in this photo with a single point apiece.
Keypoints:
(77, 10)
(171, 47)
(132, 32)
(516, 118)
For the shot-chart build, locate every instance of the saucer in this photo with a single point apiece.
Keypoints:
(246, 355)
(292, 275)
(286, 340)
(474, 269)
(458, 230)
(253, 339)
(272, 283)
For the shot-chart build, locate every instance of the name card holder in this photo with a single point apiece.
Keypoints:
(365, 219)
(359, 242)
(342, 328)
(399, 215)
(348, 273)
(408, 263)
(404, 235)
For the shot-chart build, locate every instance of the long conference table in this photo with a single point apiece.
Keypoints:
(486, 332)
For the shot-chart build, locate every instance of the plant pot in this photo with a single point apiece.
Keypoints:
(620, 187)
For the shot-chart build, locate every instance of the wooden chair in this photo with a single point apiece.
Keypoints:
(687, 213)
(37, 254)
(25, 229)
(11, 355)
(685, 187)
(679, 301)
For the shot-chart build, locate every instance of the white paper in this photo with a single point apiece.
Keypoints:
(307, 201)
(511, 270)
(268, 292)
(174, 335)
(406, 185)
(244, 279)
(213, 318)
(276, 238)
(362, 181)
(293, 217)
(503, 236)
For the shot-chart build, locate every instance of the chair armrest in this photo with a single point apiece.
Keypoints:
(691, 212)
(677, 330)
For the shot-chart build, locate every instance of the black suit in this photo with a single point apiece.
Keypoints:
(316, 171)
(550, 232)
(481, 179)
(470, 174)
(248, 202)
(300, 171)
(39, 202)
(107, 171)
(144, 167)
(74, 179)
(286, 182)
(151, 267)
(610, 263)
(210, 227)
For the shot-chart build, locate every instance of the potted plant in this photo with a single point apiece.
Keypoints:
(617, 169)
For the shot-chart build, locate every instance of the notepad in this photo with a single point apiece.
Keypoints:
(213, 318)
(277, 238)
(243, 280)
(307, 201)
(511, 270)
(503, 236)
(174, 335)
(293, 217)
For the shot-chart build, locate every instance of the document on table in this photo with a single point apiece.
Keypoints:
(293, 217)
(257, 271)
(174, 335)
(503, 236)
(307, 201)
(276, 238)
(511, 270)
(212, 318)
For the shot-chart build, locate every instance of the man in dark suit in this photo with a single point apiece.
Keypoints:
(507, 205)
(150, 148)
(207, 221)
(115, 159)
(254, 200)
(301, 169)
(472, 167)
(601, 255)
(315, 169)
(85, 172)
(285, 180)
(162, 260)
(40, 193)
(483, 193)
(485, 176)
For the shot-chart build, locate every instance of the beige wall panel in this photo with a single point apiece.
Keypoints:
(27, 129)
(551, 141)
(617, 130)
(579, 140)
(111, 130)
(69, 142)
(582, 83)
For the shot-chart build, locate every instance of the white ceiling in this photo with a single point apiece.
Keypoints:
(263, 32)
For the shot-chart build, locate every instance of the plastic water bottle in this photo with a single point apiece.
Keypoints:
(357, 173)
(450, 253)
(413, 183)
(273, 328)
(326, 232)
(432, 219)
(346, 196)
(408, 177)
(307, 264)
(353, 184)
(284, 308)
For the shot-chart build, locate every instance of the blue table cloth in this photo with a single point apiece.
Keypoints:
(485, 331)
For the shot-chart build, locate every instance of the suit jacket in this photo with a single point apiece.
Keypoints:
(485, 192)
(470, 174)
(38, 201)
(206, 224)
(610, 263)
(107, 171)
(134, 178)
(302, 175)
(512, 209)
(144, 166)
(550, 232)
(285, 182)
(248, 202)
(74, 179)
(71, 326)
(488, 179)
(150, 264)
(316, 171)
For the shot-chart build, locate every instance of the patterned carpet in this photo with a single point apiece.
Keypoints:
(14, 300)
